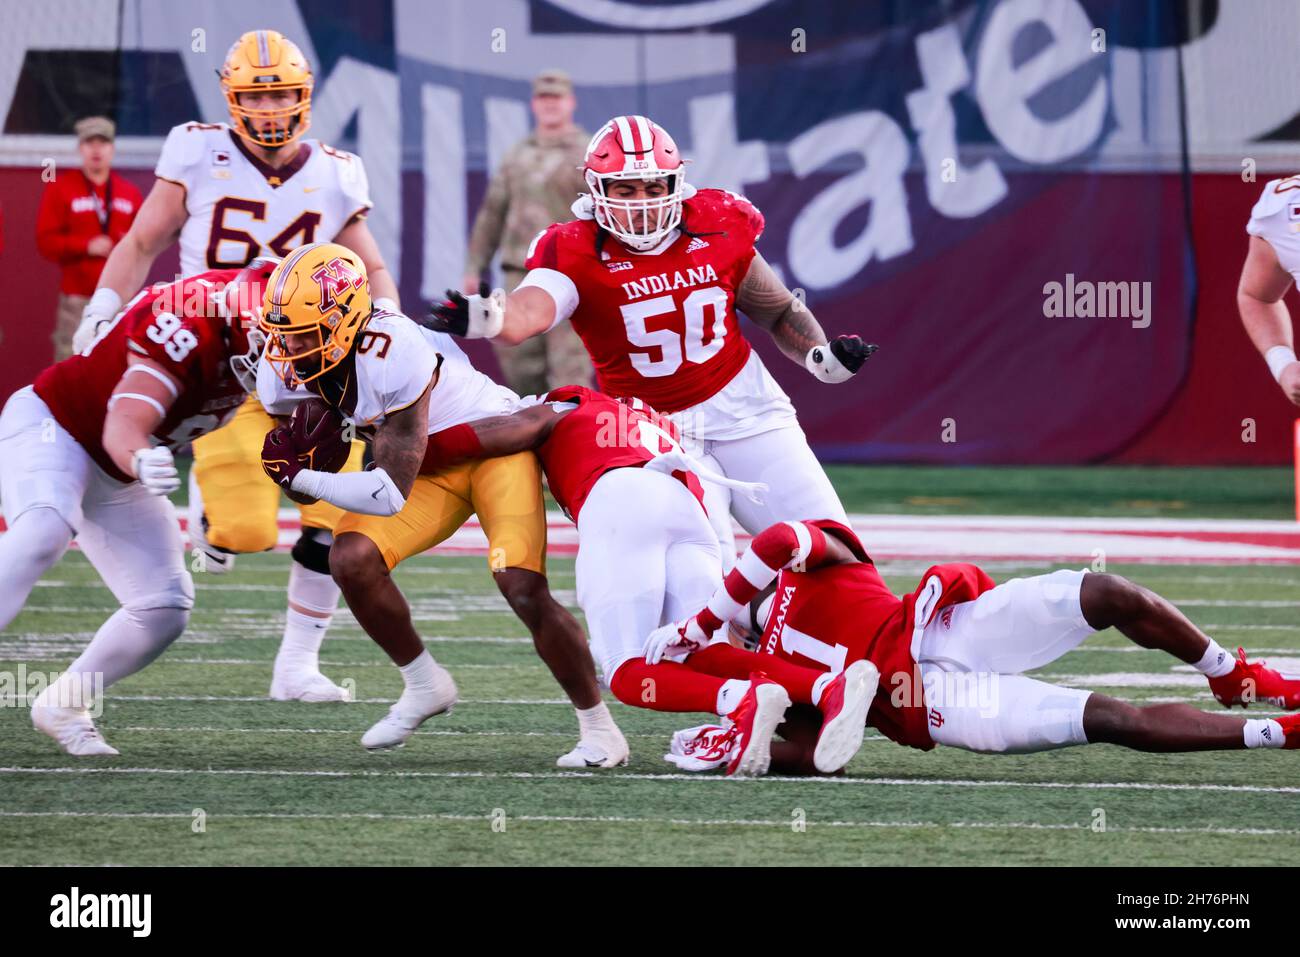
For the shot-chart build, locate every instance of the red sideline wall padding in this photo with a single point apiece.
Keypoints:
(1202, 425)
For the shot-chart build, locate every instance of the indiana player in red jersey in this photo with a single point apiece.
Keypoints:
(952, 653)
(646, 552)
(651, 275)
(85, 453)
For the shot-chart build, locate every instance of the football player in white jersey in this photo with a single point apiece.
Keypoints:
(406, 389)
(231, 193)
(1272, 266)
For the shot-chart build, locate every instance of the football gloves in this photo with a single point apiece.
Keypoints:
(469, 317)
(280, 458)
(156, 470)
(840, 359)
(674, 641)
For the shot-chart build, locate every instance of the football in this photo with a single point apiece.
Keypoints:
(321, 434)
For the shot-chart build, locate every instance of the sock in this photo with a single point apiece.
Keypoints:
(1216, 662)
(305, 630)
(729, 695)
(819, 687)
(727, 661)
(1263, 733)
(418, 675)
(667, 686)
(594, 719)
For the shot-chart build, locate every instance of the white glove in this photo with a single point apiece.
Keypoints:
(99, 312)
(156, 470)
(706, 747)
(675, 640)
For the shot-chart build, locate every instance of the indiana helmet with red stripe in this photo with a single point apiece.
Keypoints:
(635, 148)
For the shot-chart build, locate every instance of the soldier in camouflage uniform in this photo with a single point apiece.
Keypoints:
(536, 184)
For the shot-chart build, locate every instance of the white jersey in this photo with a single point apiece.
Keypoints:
(1276, 218)
(395, 361)
(240, 208)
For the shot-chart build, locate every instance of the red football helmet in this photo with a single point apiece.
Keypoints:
(635, 148)
(243, 308)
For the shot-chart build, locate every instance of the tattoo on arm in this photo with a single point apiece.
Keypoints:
(765, 299)
(401, 441)
(520, 432)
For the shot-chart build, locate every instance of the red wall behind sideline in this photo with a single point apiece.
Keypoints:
(1227, 383)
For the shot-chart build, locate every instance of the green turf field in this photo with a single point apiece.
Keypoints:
(290, 784)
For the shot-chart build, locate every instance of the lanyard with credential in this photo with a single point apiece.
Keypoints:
(104, 207)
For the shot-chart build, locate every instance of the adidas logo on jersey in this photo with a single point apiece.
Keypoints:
(696, 243)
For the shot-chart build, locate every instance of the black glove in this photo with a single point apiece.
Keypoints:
(852, 351)
(452, 314)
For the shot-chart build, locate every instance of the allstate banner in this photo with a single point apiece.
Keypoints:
(994, 191)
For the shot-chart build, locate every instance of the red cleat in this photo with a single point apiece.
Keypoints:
(1291, 728)
(844, 706)
(1249, 682)
(754, 722)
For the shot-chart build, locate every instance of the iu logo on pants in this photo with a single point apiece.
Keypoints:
(936, 718)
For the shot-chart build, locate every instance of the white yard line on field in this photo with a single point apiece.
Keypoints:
(701, 778)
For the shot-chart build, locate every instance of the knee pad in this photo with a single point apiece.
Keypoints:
(176, 594)
(312, 550)
(163, 624)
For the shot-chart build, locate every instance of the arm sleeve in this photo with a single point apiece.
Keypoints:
(367, 493)
(489, 223)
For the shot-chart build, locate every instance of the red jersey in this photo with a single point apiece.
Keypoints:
(660, 327)
(832, 616)
(602, 433)
(175, 326)
(73, 212)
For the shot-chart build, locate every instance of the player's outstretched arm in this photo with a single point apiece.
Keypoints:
(156, 226)
(1263, 313)
(136, 408)
(528, 311)
(398, 448)
(764, 298)
(495, 436)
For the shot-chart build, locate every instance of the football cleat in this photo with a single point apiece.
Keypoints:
(72, 728)
(411, 711)
(844, 706)
(706, 747)
(1250, 682)
(601, 752)
(306, 686)
(208, 557)
(1291, 728)
(754, 721)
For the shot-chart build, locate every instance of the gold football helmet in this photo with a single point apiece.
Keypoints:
(317, 303)
(265, 60)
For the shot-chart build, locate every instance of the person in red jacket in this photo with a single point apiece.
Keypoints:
(82, 216)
